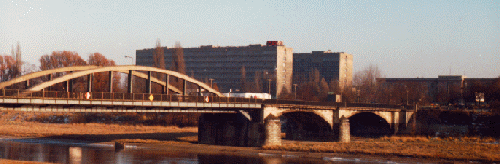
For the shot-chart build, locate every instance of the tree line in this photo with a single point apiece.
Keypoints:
(367, 89)
(10, 67)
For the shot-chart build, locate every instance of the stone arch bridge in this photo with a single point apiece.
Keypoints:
(263, 126)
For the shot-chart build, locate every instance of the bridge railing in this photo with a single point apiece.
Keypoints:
(119, 96)
(335, 104)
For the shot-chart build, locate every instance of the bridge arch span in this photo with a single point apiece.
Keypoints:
(349, 113)
(302, 123)
(369, 124)
(326, 115)
(120, 69)
(305, 125)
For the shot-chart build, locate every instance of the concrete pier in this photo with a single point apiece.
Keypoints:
(273, 131)
(345, 130)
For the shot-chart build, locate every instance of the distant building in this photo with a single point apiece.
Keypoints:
(272, 63)
(331, 66)
(445, 88)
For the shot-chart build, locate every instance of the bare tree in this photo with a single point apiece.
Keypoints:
(159, 55)
(159, 62)
(243, 86)
(60, 59)
(100, 81)
(18, 60)
(178, 59)
(178, 63)
(6, 68)
(366, 82)
(257, 88)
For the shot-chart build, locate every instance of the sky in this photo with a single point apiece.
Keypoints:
(403, 38)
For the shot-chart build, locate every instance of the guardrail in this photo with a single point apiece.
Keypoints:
(339, 104)
(120, 96)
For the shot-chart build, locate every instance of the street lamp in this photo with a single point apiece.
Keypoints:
(406, 96)
(295, 85)
(406, 88)
(131, 59)
(269, 88)
(211, 83)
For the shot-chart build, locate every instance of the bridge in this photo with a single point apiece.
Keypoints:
(224, 120)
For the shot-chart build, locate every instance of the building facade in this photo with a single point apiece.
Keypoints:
(444, 89)
(331, 66)
(268, 68)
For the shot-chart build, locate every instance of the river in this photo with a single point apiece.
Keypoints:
(55, 151)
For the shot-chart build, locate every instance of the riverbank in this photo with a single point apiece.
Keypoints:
(175, 139)
(6, 161)
(461, 149)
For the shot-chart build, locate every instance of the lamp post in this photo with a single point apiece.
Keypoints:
(211, 82)
(406, 88)
(269, 88)
(131, 59)
(407, 96)
(295, 85)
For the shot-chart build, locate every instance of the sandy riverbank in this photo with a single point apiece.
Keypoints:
(6, 161)
(176, 139)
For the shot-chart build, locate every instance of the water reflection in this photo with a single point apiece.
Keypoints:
(70, 154)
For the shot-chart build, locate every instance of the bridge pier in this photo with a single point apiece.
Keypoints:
(231, 129)
(395, 128)
(273, 131)
(345, 130)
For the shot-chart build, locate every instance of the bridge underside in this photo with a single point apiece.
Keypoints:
(368, 124)
(232, 129)
(306, 126)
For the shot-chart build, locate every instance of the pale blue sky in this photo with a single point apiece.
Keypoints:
(404, 38)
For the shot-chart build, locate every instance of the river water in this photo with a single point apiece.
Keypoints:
(83, 153)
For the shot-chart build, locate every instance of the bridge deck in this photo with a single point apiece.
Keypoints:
(125, 103)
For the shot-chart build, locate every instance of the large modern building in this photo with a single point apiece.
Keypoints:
(264, 65)
(445, 88)
(331, 66)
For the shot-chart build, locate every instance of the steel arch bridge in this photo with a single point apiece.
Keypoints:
(131, 70)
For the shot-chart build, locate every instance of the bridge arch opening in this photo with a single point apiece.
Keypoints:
(367, 124)
(305, 126)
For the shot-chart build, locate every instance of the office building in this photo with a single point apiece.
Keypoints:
(445, 88)
(331, 66)
(264, 65)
